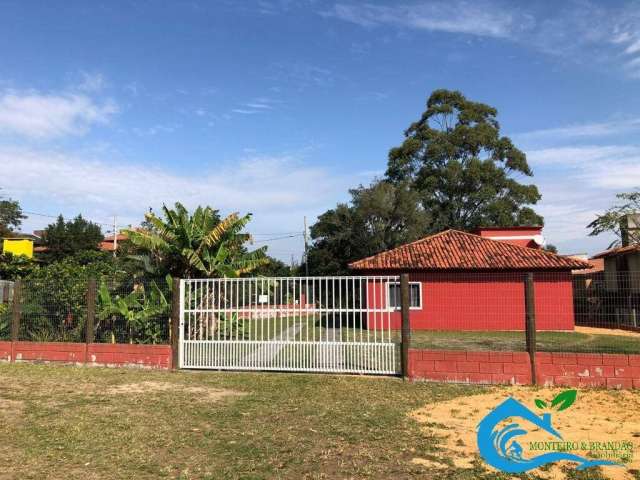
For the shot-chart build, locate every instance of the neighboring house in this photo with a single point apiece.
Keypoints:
(588, 285)
(463, 281)
(18, 246)
(619, 301)
(621, 268)
(112, 242)
(108, 244)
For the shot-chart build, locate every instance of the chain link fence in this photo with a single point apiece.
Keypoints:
(130, 311)
(467, 311)
(6, 298)
(572, 312)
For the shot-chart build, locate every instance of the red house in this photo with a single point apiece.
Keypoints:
(464, 281)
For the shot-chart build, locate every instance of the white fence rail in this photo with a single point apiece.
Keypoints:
(307, 324)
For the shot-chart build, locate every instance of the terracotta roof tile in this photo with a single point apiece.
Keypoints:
(618, 251)
(456, 250)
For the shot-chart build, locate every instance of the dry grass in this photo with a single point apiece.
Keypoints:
(92, 423)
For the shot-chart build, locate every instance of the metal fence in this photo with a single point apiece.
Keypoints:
(610, 300)
(135, 310)
(312, 324)
(6, 299)
(573, 312)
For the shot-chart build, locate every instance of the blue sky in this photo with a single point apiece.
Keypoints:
(278, 107)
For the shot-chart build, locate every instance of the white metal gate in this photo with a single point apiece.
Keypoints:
(303, 324)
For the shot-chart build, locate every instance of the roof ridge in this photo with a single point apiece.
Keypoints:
(507, 248)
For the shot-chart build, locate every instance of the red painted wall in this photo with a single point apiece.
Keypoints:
(482, 301)
(552, 369)
(152, 356)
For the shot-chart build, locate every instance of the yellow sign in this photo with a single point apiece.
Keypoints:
(18, 246)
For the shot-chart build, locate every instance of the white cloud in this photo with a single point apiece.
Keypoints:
(154, 130)
(278, 190)
(92, 82)
(583, 32)
(42, 116)
(476, 18)
(576, 183)
(302, 75)
(246, 111)
(260, 106)
(614, 167)
(597, 129)
(585, 156)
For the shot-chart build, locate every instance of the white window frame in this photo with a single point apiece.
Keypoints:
(390, 307)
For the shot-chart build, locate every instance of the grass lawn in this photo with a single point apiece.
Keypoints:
(310, 329)
(94, 423)
(515, 341)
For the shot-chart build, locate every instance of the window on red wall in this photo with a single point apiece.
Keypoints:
(415, 295)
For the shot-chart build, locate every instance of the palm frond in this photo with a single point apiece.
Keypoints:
(216, 234)
(147, 240)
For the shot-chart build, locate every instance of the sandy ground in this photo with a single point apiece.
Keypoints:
(607, 331)
(597, 415)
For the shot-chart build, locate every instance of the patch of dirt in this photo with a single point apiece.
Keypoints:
(607, 331)
(597, 415)
(199, 393)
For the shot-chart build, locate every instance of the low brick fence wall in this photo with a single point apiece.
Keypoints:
(514, 368)
(105, 354)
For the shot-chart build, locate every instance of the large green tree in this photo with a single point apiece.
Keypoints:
(201, 244)
(463, 169)
(64, 238)
(379, 217)
(611, 220)
(10, 216)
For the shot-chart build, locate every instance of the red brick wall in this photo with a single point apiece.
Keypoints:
(470, 367)
(5, 351)
(153, 356)
(588, 370)
(481, 301)
(552, 369)
(156, 356)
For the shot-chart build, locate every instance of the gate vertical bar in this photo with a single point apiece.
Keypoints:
(181, 329)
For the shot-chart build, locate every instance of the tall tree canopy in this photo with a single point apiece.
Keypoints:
(10, 216)
(64, 238)
(379, 217)
(462, 168)
(201, 244)
(610, 221)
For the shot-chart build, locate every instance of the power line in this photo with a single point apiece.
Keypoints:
(279, 238)
(279, 235)
(56, 216)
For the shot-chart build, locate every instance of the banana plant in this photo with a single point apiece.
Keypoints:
(200, 244)
(138, 309)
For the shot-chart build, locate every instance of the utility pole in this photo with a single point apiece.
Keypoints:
(115, 235)
(306, 249)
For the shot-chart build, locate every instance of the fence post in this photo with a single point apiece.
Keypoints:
(174, 333)
(406, 327)
(5, 294)
(91, 311)
(15, 316)
(530, 323)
